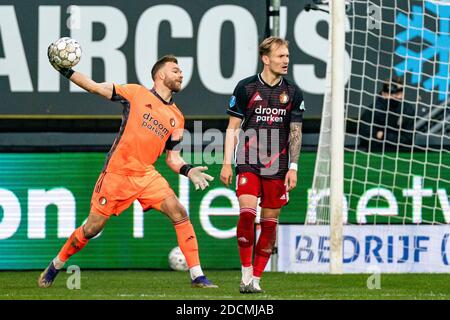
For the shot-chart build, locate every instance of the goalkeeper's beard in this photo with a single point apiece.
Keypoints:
(172, 85)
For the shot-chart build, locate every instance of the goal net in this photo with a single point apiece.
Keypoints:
(396, 210)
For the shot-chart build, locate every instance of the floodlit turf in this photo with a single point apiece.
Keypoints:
(127, 284)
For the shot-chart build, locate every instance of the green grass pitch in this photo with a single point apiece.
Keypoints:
(171, 285)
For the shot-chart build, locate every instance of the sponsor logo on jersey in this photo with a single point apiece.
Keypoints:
(284, 98)
(232, 101)
(269, 115)
(154, 125)
(258, 97)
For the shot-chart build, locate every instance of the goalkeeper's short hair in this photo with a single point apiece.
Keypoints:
(161, 62)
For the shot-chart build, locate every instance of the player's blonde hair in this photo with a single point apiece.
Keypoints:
(271, 43)
(161, 62)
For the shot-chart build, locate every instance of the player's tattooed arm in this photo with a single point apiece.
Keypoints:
(295, 144)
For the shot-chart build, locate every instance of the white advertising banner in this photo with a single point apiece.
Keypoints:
(381, 248)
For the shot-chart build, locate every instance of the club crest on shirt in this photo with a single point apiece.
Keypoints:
(149, 105)
(172, 122)
(102, 201)
(243, 180)
(284, 98)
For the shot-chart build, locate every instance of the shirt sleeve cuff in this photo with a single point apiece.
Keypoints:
(235, 114)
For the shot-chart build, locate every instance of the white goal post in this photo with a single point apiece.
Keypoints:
(382, 174)
(338, 17)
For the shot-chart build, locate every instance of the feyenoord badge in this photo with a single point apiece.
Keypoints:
(284, 98)
(172, 122)
(102, 201)
(243, 181)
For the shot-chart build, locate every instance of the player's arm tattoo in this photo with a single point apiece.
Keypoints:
(295, 143)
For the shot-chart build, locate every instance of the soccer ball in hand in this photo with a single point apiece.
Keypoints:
(177, 261)
(65, 52)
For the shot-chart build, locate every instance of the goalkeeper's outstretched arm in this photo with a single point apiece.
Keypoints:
(104, 89)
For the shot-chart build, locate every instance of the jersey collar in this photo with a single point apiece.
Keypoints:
(266, 84)
(152, 90)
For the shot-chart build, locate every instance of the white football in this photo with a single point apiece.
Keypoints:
(177, 261)
(65, 52)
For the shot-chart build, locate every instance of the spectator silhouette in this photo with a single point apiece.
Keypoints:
(389, 125)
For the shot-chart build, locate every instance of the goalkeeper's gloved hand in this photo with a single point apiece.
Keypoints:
(66, 72)
(198, 178)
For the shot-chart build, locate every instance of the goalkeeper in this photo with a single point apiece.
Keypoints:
(151, 123)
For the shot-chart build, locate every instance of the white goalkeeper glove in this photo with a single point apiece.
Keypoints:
(199, 178)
